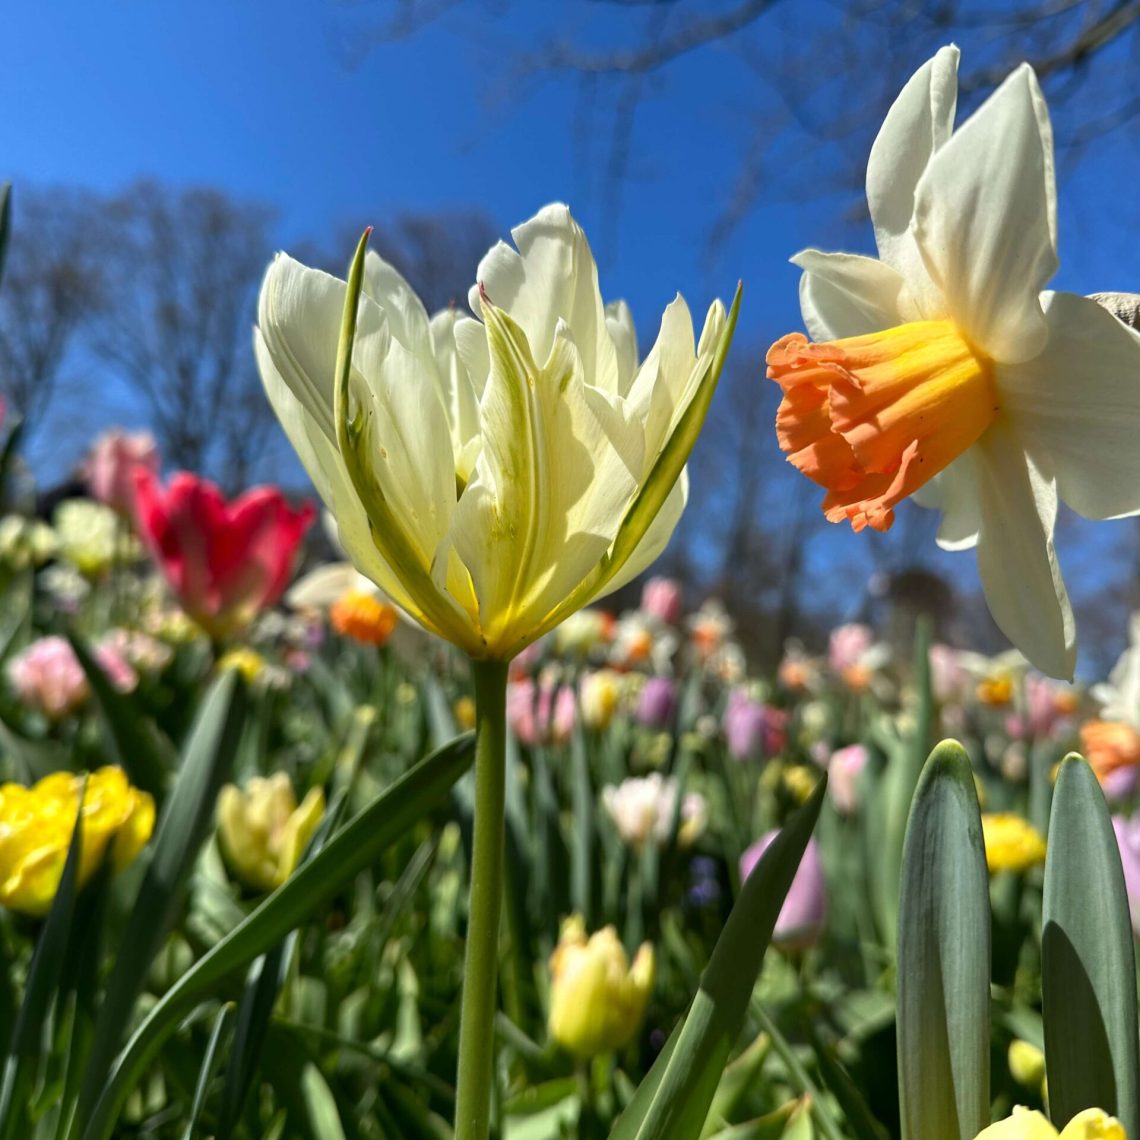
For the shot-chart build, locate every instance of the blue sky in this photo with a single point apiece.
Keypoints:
(284, 103)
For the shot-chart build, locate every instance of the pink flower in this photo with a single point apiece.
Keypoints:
(661, 599)
(1128, 841)
(801, 918)
(848, 644)
(843, 772)
(949, 678)
(540, 714)
(225, 561)
(1047, 702)
(752, 729)
(47, 676)
(111, 464)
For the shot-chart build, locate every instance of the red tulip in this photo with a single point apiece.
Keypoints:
(224, 561)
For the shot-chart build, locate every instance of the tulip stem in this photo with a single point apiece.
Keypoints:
(477, 1015)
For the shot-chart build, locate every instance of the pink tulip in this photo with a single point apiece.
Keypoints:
(542, 715)
(47, 676)
(848, 644)
(111, 464)
(225, 561)
(661, 599)
(752, 729)
(1128, 841)
(843, 772)
(800, 922)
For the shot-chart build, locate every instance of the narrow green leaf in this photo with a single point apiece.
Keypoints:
(1088, 970)
(584, 863)
(348, 853)
(944, 957)
(185, 822)
(206, 1073)
(674, 1098)
(137, 749)
(897, 789)
(44, 975)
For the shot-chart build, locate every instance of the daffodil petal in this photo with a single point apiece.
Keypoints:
(1093, 1124)
(986, 220)
(551, 276)
(844, 294)
(918, 123)
(1016, 560)
(1079, 404)
(954, 492)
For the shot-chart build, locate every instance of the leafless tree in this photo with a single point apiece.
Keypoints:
(52, 286)
(184, 268)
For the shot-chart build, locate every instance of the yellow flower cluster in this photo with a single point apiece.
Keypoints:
(597, 1001)
(37, 823)
(1012, 844)
(262, 832)
(1092, 1124)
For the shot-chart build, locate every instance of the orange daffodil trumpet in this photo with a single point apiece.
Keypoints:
(495, 473)
(942, 371)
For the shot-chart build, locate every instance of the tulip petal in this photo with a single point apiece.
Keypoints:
(547, 471)
(551, 277)
(406, 316)
(843, 294)
(918, 123)
(1016, 559)
(1078, 404)
(986, 220)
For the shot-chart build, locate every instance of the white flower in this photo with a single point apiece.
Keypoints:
(958, 381)
(1119, 696)
(642, 808)
(491, 476)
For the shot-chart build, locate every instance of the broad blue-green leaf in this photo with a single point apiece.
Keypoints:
(1088, 976)
(348, 853)
(896, 791)
(944, 957)
(673, 1100)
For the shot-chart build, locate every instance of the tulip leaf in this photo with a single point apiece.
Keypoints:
(673, 1100)
(944, 956)
(896, 792)
(185, 821)
(136, 746)
(354, 848)
(44, 976)
(1088, 977)
(206, 1072)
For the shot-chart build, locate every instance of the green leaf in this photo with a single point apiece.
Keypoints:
(44, 976)
(1088, 970)
(209, 1060)
(136, 747)
(186, 820)
(673, 1100)
(944, 956)
(897, 790)
(349, 852)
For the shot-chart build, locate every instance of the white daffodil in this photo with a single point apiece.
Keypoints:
(491, 475)
(945, 373)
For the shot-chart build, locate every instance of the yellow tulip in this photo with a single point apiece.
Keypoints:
(1026, 1064)
(37, 823)
(497, 472)
(262, 832)
(597, 1001)
(1012, 844)
(1092, 1124)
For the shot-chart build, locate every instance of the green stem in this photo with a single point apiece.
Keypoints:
(476, 1020)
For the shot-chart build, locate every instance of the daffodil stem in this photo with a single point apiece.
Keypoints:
(477, 1014)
